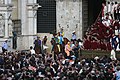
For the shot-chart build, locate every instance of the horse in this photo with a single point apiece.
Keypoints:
(37, 49)
(58, 48)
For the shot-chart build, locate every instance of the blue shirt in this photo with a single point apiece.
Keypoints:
(74, 36)
(60, 39)
(4, 45)
(37, 42)
(113, 39)
(118, 75)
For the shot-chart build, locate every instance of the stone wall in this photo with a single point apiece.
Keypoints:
(69, 17)
(27, 15)
(6, 27)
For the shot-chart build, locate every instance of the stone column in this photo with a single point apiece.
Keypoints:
(19, 9)
(6, 1)
(7, 15)
(80, 20)
(24, 21)
(6, 25)
(2, 22)
(6, 20)
(32, 7)
(28, 10)
(35, 23)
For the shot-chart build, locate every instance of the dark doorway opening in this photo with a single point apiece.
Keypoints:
(94, 9)
(46, 16)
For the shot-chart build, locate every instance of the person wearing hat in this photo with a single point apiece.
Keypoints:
(5, 46)
(61, 32)
(74, 35)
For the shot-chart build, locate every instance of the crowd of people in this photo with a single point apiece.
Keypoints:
(36, 64)
(99, 35)
(29, 65)
(25, 65)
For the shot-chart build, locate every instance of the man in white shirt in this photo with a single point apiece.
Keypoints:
(116, 31)
(109, 7)
(106, 22)
(112, 10)
(113, 54)
(32, 51)
(119, 12)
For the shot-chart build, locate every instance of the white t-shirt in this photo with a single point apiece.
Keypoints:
(80, 44)
(112, 11)
(32, 51)
(117, 49)
(110, 17)
(116, 31)
(109, 8)
(113, 55)
(105, 10)
(106, 22)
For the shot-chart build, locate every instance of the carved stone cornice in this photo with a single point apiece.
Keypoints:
(33, 6)
(6, 7)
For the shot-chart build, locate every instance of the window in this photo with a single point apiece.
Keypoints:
(46, 16)
(17, 27)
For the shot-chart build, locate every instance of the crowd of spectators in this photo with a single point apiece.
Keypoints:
(99, 34)
(27, 66)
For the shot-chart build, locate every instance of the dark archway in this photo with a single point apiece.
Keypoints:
(46, 16)
(94, 8)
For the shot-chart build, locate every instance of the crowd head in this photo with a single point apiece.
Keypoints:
(23, 65)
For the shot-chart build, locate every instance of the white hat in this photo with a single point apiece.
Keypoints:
(73, 32)
(96, 58)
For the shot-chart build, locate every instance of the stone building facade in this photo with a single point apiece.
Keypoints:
(23, 11)
(20, 17)
(69, 17)
(6, 27)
